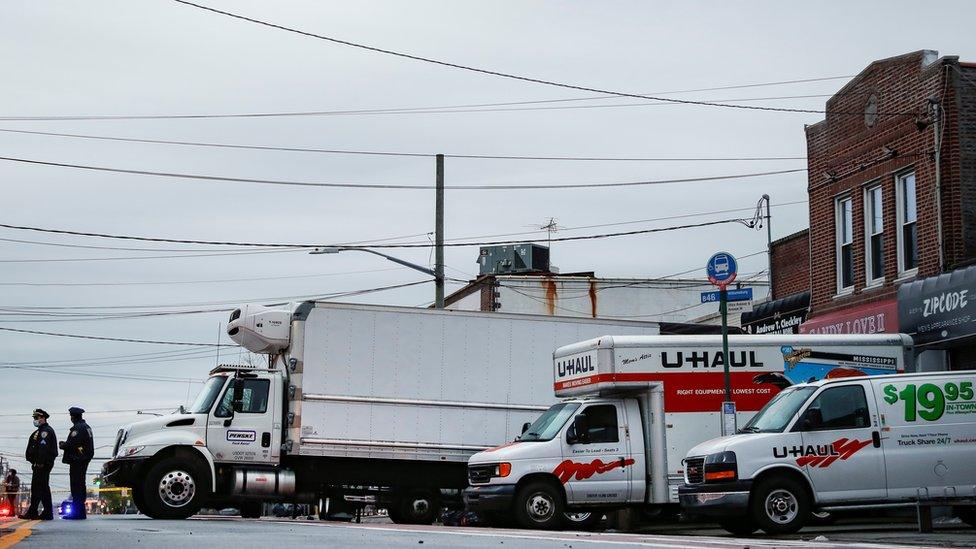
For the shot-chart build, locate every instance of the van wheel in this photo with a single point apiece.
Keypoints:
(539, 505)
(967, 514)
(742, 526)
(175, 489)
(780, 505)
(581, 520)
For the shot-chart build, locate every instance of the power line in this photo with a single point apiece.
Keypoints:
(138, 258)
(121, 339)
(418, 245)
(194, 282)
(227, 179)
(409, 110)
(513, 76)
(404, 154)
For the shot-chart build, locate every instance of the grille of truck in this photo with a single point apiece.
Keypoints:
(480, 474)
(695, 470)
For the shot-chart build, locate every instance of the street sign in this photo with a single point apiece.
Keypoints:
(721, 269)
(729, 426)
(742, 294)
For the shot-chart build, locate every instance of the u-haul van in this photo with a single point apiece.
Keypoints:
(634, 405)
(841, 443)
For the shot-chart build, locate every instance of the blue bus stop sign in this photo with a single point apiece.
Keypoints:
(721, 269)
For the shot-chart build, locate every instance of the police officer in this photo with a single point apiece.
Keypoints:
(42, 449)
(79, 449)
(11, 487)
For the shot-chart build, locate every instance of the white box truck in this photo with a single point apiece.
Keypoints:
(841, 443)
(634, 405)
(358, 402)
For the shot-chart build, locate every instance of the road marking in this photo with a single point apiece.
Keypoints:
(22, 531)
(611, 538)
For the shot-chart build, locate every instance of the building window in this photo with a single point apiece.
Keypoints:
(874, 235)
(845, 243)
(907, 226)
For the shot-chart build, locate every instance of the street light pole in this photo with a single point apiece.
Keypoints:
(439, 235)
(414, 266)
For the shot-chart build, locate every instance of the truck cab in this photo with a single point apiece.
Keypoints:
(229, 435)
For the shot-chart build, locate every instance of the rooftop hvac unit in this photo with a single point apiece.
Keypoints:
(513, 259)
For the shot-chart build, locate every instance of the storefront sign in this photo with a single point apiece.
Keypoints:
(874, 318)
(782, 316)
(939, 308)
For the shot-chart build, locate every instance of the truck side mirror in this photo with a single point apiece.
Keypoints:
(525, 427)
(580, 433)
(812, 419)
(238, 400)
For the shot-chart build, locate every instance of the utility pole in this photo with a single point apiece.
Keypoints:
(439, 236)
(769, 247)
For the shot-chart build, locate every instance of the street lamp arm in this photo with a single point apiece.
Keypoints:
(337, 249)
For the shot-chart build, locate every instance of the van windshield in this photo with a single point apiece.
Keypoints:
(549, 423)
(208, 395)
(776, 415)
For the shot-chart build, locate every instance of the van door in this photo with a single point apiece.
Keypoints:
(243, 436)
(841, 451)
(596, 462)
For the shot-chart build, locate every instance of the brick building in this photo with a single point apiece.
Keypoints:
(892, 191)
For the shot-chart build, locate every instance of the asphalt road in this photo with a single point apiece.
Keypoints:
(138, 531)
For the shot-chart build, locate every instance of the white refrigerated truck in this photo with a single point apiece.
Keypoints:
(634, 405)
(842, 443)
(364, 402)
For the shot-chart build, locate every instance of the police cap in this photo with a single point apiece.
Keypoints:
(76, 411)
(40, 413)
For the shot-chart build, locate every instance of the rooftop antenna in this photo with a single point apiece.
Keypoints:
(550, 227)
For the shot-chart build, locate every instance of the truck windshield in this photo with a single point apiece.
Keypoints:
(776, 415)
(208, 395)
(549, 423)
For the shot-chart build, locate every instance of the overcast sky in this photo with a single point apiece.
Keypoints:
(161, 58)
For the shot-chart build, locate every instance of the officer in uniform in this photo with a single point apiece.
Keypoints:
(42, 450)
(79, 449)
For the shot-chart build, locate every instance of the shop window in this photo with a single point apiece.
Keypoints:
(874, 235)
(907, 226)
(845, 244)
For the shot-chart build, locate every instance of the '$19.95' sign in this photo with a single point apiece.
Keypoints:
(930, 401)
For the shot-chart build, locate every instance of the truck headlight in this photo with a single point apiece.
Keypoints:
(720, 467)
(131, 451)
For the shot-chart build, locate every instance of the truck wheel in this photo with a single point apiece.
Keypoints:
(581, 520)
(780, 505)
(967, 514)
(418, 507)
(539, 505)
(175, 489)
(742, 526)
(251, 509)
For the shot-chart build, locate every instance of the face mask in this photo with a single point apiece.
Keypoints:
(37, 423)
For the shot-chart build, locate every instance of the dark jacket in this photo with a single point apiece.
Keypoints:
(11, 484)
(42, 447)
(80, 445)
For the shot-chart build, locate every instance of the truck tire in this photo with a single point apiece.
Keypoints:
(539, 505)
(582, 520)
(967, 514)
(417, 507)
(780, 505)
(175, 488)
(139, 501)
(251, 509)
(741, 526)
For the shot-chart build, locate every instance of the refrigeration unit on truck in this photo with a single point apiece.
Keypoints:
(634, 405)
(841, 443)
(359, 402)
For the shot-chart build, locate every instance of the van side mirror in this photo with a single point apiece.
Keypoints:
(525, 427)
(580, 432)
(812, 419)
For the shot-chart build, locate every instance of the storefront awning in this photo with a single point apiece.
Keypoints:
(939, 309)
(782, 316)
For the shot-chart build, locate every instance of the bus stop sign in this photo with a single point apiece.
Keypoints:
(721, 269)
